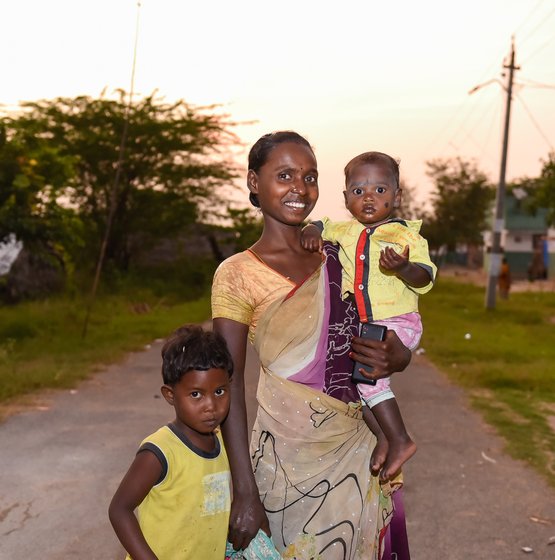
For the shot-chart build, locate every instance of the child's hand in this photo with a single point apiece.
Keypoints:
(311, 239)
(392, 261)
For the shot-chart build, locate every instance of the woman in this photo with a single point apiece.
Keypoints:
(310, 447)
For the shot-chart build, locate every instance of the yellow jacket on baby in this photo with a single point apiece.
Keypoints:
(378, 294)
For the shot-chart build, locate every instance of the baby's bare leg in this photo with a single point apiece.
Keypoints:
(401, 447)
(379, 454)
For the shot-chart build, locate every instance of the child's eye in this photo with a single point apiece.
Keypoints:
(219, 392)
(357, 191)
(381, 190)
(284, 176)
(195, 394)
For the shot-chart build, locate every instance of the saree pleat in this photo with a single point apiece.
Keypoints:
(310, 451)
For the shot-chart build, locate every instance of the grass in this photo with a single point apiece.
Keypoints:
(41, 343)
(507, 364)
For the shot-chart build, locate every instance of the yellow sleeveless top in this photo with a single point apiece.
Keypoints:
(186, 514)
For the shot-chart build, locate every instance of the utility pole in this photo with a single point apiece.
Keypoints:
(499, 217)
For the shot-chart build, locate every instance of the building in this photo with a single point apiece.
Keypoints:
(527, 241)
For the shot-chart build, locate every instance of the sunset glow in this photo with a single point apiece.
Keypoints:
(350, 76)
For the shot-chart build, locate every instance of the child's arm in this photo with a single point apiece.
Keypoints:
(142, 475)
(311, 238)
(410, 273)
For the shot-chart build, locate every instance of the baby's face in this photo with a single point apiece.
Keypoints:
(371, 194)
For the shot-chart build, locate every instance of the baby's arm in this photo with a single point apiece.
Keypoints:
(142, 475)
(399, 264)
(311, 237)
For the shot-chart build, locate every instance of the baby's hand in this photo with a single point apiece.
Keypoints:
(311, 239)
(392, 261)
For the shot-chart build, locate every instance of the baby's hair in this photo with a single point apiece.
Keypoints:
(260, 150)
(190, 347)
(370, 158)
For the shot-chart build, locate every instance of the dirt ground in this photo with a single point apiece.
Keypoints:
(62, 459)
(479, 277)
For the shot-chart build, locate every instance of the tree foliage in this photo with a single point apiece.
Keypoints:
(33, 175)
(461, 203)
(173, 165)
(543, 191)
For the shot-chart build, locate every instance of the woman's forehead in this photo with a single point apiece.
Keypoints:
(293, 155)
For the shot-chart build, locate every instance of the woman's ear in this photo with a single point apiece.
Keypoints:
(167, 393)
(252, 181)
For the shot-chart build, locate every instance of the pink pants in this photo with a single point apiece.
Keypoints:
(409, 329)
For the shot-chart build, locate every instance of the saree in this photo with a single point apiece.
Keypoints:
(310, 446)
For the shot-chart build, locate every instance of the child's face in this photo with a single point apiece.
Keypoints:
(371, 193)
(201, 401)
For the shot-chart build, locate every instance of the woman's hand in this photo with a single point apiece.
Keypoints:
(246, 517)
(386, 357)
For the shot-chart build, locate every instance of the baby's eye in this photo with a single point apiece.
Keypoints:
(195, 394)
(357, 190)
(219, 392)
(381, 190)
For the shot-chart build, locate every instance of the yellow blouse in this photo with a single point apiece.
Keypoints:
(244, 286)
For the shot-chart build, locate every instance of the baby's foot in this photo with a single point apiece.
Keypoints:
(379, 455)
(399, 452)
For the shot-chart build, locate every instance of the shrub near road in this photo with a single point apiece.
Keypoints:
(41, 344)
(505, 358)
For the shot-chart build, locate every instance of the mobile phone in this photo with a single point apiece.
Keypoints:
(374, 332)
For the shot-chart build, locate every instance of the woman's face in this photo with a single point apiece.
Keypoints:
(287, 184)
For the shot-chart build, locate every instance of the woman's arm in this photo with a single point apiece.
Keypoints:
(142, 475)
(385, 357)
(247, 512)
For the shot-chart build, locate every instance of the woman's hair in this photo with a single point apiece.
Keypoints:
(261, 149)
(192, 348)
(373, 158)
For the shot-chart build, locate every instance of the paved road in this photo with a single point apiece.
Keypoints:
(61, 462)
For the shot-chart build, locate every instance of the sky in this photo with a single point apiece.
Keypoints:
(350, 76)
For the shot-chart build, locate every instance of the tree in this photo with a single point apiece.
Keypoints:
(543, 191)
(461, 204)
(33, 175)
(173, 165)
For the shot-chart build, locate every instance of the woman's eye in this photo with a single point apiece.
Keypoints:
(357, 191)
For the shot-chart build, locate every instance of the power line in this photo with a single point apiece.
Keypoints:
(535, 122)
(532, 11)
(544, 19)
(533, 84)
(480, 120)
(539, 49)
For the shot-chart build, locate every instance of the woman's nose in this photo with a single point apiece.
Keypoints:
(298, 186)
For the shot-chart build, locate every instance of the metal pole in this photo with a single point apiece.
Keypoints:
(115, 186)
(499, 217)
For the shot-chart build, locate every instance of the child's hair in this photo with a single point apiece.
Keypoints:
(369, 158)
(191, 347)
(260, 150)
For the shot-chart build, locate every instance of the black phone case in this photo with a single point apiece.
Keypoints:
(374, 332)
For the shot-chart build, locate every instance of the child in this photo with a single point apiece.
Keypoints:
(385, 265)
(180, 478)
